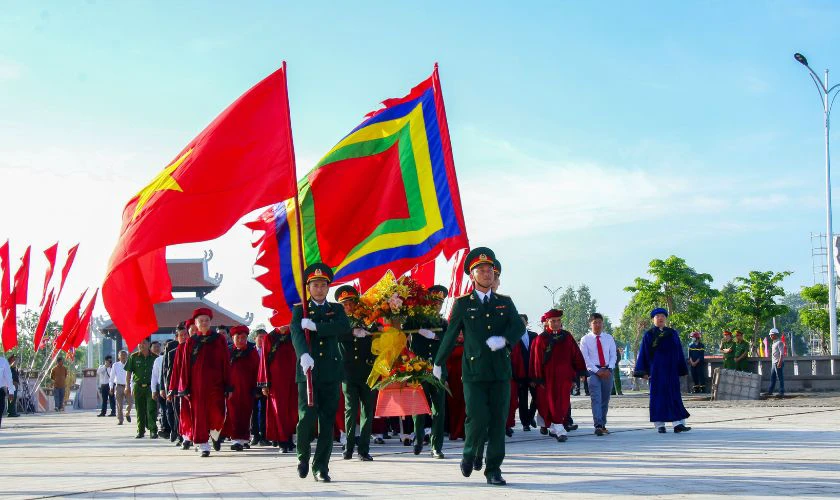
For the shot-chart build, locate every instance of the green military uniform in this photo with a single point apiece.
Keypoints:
(741, 349)
(486, 373)
(141, 374)
(332, 326)
(728, 357)
(358, 361)
(428, 349)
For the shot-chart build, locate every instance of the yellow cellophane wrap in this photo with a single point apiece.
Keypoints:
(387, 346)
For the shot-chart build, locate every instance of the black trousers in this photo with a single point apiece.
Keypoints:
(107, 397)
(527, 411)
(4, 397)
(258, 417)
(169, 418)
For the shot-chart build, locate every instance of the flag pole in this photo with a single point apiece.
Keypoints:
(310, 391)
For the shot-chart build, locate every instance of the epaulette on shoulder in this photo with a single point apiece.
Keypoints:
(463, 296)
(502, 295)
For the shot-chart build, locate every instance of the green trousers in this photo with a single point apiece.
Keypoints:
(487, 409)
(322, 414)
(358, 394)
(437, 403)
(146, 410)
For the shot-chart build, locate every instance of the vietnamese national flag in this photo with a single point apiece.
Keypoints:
(242, 161)
(43, 320)
(22, 278)
(5, 276)
(71, 320)
(50, 253)
(71, 256)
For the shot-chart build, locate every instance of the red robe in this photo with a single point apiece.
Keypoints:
(278, 362)
(204, 377)
(554, 372)
(244, 365)
(457, 410)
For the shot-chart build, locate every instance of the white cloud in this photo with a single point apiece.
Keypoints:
(10, 70)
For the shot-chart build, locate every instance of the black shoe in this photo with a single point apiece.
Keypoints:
(575, 393)
(128, 417)
(303, 469)
(217, 445)
(205, 454)
(544, 430)
(509, 432)
(186, 445)
(140, 435)
(781, 395)
(237, 447)
(264, 442)
(599, 431)
(562, 438)
(246, 446)
(478, 463)
(570, 428)
(466, 468)
(99, 415)
(322, 477)
(153, 435)
(496, 479)
(119, 423)
(347, 454)
(275, 443)
(662, 430)
(533, 423)
(406, 442)
(766, 394)
(681, 428)
(112, 414)
(365, 457)
(426, 439)
(255, 441)
(164, 434)
(437, 454)
(378, 440)
(526, 428)
(173, 437)
(418, 447)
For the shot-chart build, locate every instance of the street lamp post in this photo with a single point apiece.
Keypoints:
(825, 92)
(553, 294)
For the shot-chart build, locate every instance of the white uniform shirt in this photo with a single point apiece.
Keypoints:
(103, 375)
(156, 369)
(589, 349)
(117, 374)
(6, 375)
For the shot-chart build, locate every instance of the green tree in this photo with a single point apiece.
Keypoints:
(815, 314)
(635, 319)
(756, 298)
(577, 305)
(791, 325)
(685, 292)
(722, 314)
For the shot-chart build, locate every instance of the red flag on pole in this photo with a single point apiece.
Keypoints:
(242, 161)
(43, 320)
(71, 256)
(8, 336)
(22, 278)
(50, 253)
(71, 320)
(80, 332)
(5, 276)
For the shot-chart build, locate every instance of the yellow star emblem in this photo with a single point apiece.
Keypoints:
(164, 181)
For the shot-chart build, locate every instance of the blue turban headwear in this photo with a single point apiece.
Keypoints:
(659, 310)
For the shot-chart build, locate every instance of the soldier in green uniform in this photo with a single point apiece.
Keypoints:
(328, 325)
(741, 352)
(727, 348)
(139, 368)
(425, 343)
(490, 322)
(358, 361)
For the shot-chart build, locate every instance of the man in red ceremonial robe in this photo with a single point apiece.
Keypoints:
(457, 411)
(277, 380)
(556, 361)
(204, 379)
(244, 365)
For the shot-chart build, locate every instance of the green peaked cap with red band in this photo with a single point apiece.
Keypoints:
(477, 256)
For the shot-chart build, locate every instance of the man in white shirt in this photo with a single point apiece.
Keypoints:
(118, 387)
(777, 364)
(599, 350)
(7, 386)
(103, 377)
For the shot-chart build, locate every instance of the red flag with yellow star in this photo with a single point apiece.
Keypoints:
(242, 161)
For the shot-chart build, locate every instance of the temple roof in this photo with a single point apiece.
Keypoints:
(191, 275)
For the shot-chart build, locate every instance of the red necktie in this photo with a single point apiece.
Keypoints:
(600, 352)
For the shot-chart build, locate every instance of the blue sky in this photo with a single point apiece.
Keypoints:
(589, 138)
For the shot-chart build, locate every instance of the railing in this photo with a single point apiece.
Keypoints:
(802, 373)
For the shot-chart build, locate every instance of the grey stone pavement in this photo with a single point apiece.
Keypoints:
(759, 449)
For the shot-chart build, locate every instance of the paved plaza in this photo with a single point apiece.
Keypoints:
(788, 448)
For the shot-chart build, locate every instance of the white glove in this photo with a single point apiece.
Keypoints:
(360, 332)
(426, 333)
(496, 342)
(308, 324)
(437, 372)
(306, 362)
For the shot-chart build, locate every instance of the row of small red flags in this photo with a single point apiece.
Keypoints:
(14, 292)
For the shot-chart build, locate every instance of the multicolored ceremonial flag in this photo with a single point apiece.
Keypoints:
(384, 198)
(241, 162)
